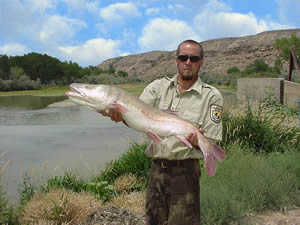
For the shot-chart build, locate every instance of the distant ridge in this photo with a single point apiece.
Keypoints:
(220, 55)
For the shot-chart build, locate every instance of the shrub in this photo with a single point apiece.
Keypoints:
(134, 162)
(135, 202)
(59, 206)
(125, 183)
(70, 181)
(265, 128)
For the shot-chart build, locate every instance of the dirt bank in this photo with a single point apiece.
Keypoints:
(116, 216)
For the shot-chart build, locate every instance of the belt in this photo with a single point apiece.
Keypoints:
(172, 163)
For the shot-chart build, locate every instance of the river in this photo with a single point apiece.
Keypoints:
(46, 141)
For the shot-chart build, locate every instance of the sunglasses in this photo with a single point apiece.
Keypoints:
(193, 58)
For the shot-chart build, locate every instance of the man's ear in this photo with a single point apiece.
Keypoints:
(201, 62)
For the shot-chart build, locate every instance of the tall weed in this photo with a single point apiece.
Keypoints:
(264, 128)
(132, 162)
(7, 215)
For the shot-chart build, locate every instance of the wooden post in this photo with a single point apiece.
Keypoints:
(293, 64)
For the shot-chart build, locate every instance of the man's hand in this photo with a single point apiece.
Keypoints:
(193, 139)
(113, 114)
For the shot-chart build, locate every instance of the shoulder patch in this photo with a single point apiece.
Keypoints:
(216, 112)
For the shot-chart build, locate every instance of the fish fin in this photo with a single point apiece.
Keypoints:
(173, 112)
(153, 136)
(210, 164)
(119, 108)
(183, 139)
(217, 151)
(211, 153)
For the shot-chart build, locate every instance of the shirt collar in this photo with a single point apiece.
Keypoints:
(197, 86)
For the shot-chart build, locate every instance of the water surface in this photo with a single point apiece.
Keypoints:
(53, 139)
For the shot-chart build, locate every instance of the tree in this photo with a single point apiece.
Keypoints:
(257, 66)
(233, 69)
(4, 66)
(286, 44)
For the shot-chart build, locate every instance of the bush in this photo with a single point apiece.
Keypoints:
(69, 181)
(265, 128)
(18, 80)
(59, 206)
(257, 66)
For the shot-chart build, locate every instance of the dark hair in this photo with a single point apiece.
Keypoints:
(191, 42)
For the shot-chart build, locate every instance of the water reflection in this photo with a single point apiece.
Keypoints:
(28, 101)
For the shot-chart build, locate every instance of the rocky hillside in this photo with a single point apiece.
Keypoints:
(220, 55)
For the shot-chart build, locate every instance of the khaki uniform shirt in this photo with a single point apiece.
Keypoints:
(201, 104)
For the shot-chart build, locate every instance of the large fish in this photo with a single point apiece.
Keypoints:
(145, 118)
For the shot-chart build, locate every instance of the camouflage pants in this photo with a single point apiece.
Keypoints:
(173, 194)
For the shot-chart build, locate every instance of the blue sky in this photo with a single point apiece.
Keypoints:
(90, 31)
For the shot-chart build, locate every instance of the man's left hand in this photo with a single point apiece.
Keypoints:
(193, 139)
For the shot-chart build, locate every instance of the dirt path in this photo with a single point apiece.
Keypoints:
(117, 216)
(289, 217)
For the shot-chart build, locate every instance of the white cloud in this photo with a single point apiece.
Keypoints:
(59, 29)
(41, 5)
(13, 49)
(119, 12)
(175, 7)
(152, 11)
(224, 24)
(217, 20)
(92, 52)
(18, 20)
(165, 34)
(91, 6)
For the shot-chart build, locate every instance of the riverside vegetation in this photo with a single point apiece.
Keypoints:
(261, 172)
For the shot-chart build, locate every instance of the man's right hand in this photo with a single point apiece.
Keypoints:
(113, 114)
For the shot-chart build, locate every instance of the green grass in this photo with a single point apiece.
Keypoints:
(44, 91)
(247, 183)
(135, 89)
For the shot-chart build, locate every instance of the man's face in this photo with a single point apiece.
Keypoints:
(188, 67)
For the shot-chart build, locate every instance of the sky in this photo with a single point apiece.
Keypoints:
(90, 31)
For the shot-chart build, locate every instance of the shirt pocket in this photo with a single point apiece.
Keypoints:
(193, 116)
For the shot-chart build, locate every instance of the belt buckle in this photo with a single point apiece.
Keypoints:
(164, 164)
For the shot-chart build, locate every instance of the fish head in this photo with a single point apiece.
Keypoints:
(94, 96)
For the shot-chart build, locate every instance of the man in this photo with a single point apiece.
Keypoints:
(173, 192)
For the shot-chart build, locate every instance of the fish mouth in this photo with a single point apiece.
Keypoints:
(75, 91)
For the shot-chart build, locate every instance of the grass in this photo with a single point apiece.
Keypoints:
(44, 91)
(7, 214)
(246, 183)
(135, 89)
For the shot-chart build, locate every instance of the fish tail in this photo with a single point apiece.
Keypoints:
(211, 153)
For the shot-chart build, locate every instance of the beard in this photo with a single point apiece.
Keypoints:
(187, 76)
